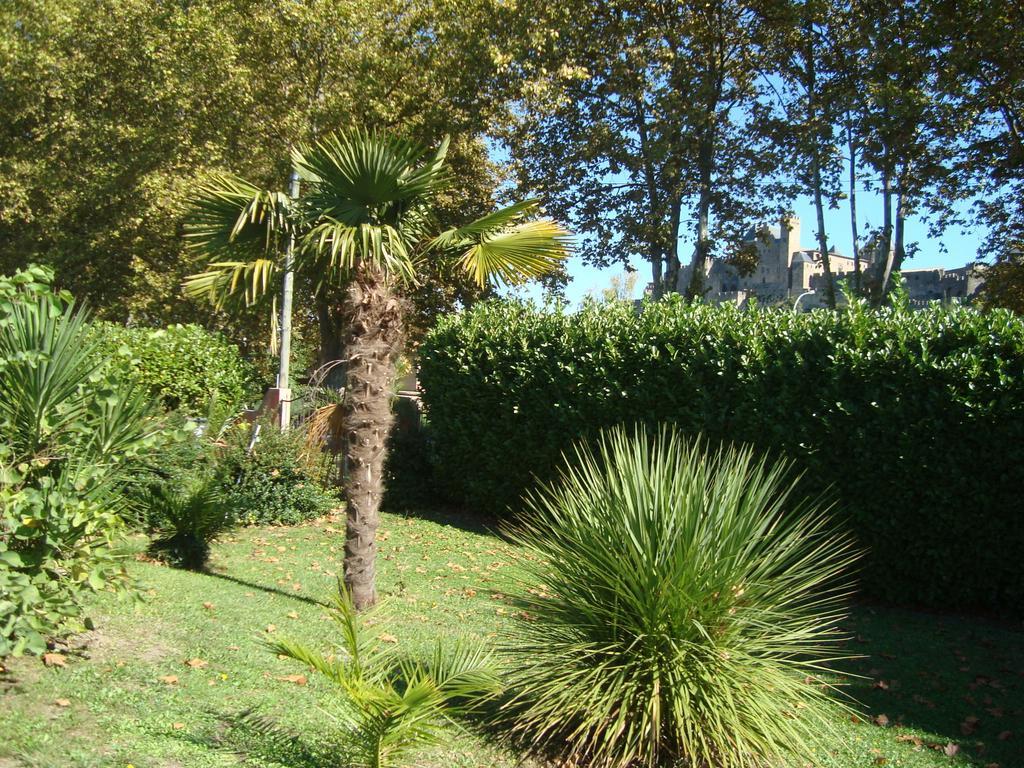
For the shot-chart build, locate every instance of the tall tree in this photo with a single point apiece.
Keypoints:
(107, 126)
(645, 128)
(808, 54)
(365, 223)
(901, 119)
(981, 73)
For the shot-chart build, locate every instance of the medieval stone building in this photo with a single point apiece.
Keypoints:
(785, 272)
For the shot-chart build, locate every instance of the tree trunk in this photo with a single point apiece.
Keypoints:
(819, 208)
(811, 83)
(899, 250)
(374, 341)
(884, 267)
(656, 278)
(853, 205)
(330, 332)
(695, 289)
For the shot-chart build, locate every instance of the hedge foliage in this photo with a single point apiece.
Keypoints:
(181, 365)
(915, 420)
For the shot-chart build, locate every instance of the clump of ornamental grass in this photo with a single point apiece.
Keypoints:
(682, 607)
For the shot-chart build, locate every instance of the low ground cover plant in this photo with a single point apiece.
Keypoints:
(682, 606)
(190, 519)
(916, 419)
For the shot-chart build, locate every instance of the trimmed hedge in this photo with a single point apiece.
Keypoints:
(915, 420)
(181, 365)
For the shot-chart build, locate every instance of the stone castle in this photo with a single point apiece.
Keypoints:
(785, 272)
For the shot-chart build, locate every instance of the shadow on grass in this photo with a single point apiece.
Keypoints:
(268, 590)
(961, 679)
(464, 520)
(251, 735)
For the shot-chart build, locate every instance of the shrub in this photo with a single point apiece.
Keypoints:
(915, 418)
(182, 366)
(408, 474)
(278, 481)
(394, 705)
(70, 436)
(190, 520)
(681, 607)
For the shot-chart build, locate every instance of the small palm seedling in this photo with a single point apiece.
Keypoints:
(393, 705)
(682, 607)
(187, 521)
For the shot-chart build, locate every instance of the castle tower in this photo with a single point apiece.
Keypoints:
(789, 238)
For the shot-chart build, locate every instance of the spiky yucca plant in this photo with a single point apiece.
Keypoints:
(683, 606)
(395, 705)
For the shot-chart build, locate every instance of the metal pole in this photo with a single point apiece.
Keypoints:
(797, 302)
(283, 383)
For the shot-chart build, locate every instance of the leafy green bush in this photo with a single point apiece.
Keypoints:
(70, 436)
(681, 607)
(190, 519)
(277, 482)
(394, 706)
(408, 475)
(915, 418)
(182, 366)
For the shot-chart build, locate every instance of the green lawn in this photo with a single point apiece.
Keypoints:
(931, 685)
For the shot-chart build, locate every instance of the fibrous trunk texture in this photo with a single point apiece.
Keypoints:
(374, 341)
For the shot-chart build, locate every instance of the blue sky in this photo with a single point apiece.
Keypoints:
(953, 249)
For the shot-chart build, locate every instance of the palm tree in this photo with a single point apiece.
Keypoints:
(364, 223)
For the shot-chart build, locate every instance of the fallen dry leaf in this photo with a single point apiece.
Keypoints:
(197, 663)
(293, 615)
(969, 725)
(169, 679)
(55, 660)
(62, 702)
(297, 679)
(208, 606)
(177, 726)
(271, 628)
(384, 637)
(950, 749)
(882, 720)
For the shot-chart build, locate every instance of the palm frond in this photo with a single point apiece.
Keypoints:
(367, 201)
(395, 705)
(224, 281)
(333, 669)
(46, 355)
(357, 174)
(503, 246)
(527, 250)
(229, 217)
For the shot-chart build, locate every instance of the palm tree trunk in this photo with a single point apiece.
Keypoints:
(375, 325)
